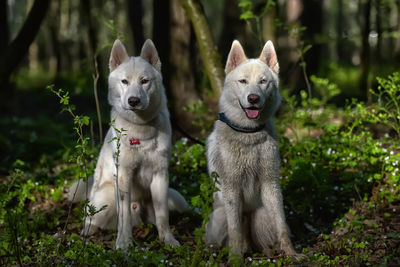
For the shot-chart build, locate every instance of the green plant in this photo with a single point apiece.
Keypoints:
(338, 166)
(203, 202)
(204, 118)
(252, 18)
(388, 97)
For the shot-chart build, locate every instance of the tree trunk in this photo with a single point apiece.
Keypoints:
(233, 28)
(397, 41)
(208, 50)
(135, 11)
(289, 53)
(95, 61)
(364, 53)
(4, 35)
(378, 21)
(16, 51)
(161, 33)
(181, 77)
(311, 18)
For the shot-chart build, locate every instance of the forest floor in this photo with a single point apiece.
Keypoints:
(366, 235)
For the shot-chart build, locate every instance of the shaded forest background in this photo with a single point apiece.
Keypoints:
(349, 42)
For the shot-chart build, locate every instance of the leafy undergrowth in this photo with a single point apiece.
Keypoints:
(339, 176)
(35, 231)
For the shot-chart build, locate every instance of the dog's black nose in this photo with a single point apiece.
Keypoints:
(133, 101)
(253, 99)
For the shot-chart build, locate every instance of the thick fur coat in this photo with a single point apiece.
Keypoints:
(242, 150)
(134, 184)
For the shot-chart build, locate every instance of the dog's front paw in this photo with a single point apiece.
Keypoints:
(123, 243)
(170, 240)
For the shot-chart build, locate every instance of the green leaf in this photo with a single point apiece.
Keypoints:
(247, 15)
(306, 48)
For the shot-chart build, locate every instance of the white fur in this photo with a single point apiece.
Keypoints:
(248, 209)
(143, 193)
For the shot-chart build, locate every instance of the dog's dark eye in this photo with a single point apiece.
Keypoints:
(125, 81)
(144, 81)
(263, 81)
(243, 81)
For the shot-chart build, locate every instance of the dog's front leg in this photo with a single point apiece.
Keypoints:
(123, 204)
(159, 195)
(272, 199)
(233, 207)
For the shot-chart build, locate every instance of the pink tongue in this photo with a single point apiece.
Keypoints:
(252, 113)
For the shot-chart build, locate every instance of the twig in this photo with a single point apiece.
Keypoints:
(96, 76)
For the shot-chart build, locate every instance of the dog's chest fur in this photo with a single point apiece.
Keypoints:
(244, 160)
(144, 149)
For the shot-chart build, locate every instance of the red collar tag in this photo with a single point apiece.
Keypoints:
(134, 141)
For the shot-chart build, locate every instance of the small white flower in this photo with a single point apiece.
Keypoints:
(392, 152)
(184, 140)
(36, 183)
(313, 164)
(351, 154)
(393, 174)
(144, 256)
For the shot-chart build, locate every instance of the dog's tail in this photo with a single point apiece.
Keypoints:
(80, 190)
(176, 202)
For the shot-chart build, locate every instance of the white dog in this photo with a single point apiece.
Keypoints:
(242, 150)
(139, 107)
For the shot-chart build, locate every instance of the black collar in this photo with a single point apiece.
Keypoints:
(223, 118)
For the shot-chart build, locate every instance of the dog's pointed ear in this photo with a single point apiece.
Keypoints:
(268, 56)
(118, 55)
(235, 58)
(150, 54)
